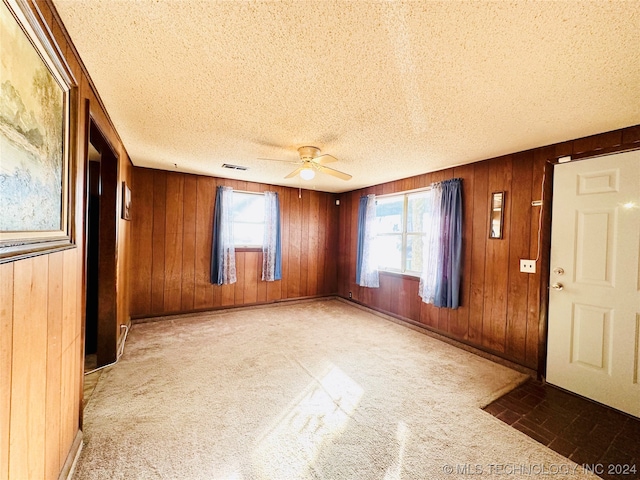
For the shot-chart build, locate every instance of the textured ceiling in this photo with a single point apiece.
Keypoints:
(391, 88)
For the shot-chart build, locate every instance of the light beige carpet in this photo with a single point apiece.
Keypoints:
(316, 390)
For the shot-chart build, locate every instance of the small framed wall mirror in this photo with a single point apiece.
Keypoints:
(496, 215)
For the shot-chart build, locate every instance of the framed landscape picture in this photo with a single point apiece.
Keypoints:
(35, 138)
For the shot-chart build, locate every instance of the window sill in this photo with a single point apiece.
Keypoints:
(408, 276)
(248, 249)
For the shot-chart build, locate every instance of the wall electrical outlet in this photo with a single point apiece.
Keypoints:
(527, 266)
(350, 295)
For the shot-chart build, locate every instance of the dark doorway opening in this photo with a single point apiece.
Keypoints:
(101, 247)
(93, 242)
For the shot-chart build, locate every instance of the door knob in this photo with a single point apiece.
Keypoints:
(558, 271)
(557, 286)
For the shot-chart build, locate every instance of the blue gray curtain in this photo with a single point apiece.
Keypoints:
(271, 245)
(449, 272)
(441, 266)
(223, 254)
(366, 266)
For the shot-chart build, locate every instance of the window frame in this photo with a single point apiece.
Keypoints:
(246, 247)
(403, 234)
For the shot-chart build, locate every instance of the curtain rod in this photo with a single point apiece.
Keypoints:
(416, 190)
(252, 193)
(405, 192)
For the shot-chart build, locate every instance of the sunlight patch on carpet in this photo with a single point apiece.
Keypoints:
(318, 415)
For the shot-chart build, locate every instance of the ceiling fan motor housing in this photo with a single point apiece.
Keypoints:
(308, 152)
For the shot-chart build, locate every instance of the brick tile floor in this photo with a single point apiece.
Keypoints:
(579, 429)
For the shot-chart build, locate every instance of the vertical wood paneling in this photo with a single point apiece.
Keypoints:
(595, 143)
(261, 287)
(252, 277)
(238, 298)
(534, 288)
(123, 258)
(395, 300)
(274, 289)
(331, 241)
(520, 226)
(75, 423)
(32, 290)
(304, 243)
(502, 310)
(181, 208)
(352, 243)
(294, 250)
(54, 357)
(173, 242)
(385, 290)
(496, 266)
(227, 293)
(341, 259)
(142, 241)
(189, 243)
(6, 355)
(158, 243)
(311, 265)
(47, 292)
(433, 316)
(343, 244)
(31, 338)
(487, 296)
(408, 293)
(69, 296)
(413, 306)
(205, 199)
(319, 245)
(478, 249)
(67, 394)
(69, 361)
(29, 379)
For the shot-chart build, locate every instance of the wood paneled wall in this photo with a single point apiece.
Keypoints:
(42, 311)
(40, 350)
(503, 310)
(172, 217)
(42, 304)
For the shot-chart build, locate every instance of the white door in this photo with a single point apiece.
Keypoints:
(594, 299)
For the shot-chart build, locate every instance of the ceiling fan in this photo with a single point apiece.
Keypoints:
(310, 162)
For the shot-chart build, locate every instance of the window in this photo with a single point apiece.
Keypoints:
(248, 219)
(401, 221)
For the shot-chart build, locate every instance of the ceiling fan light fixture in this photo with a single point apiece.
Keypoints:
(310, 161)
(307, 173)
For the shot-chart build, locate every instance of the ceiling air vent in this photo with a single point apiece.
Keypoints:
(234, 167)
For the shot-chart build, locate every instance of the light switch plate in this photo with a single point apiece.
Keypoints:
(528, 266)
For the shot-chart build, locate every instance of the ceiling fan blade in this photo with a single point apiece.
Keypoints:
(326, 158)
(279, 160)
(334, 172)
(295, 172)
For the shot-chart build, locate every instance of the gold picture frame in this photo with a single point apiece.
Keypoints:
(38, 102)
(496, 215)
